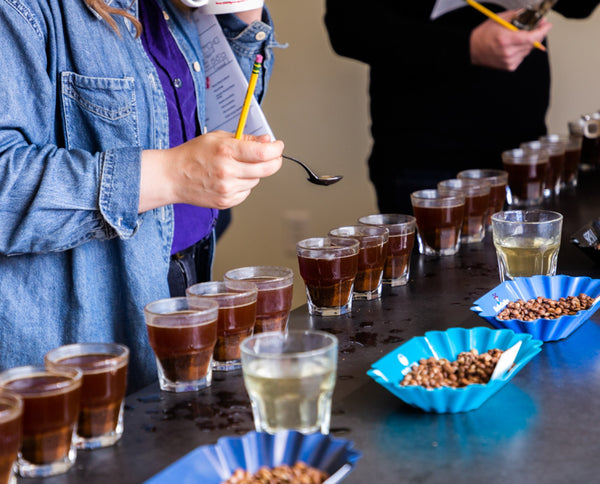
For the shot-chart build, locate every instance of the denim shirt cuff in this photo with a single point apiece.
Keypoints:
(120, 189)
(252, 37)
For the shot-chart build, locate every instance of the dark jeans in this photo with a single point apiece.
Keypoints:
(191, 265)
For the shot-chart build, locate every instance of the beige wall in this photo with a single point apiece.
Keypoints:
(318, 104)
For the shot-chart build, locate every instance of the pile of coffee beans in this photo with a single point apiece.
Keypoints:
(470, 367)
(299, 473)
(542, 307)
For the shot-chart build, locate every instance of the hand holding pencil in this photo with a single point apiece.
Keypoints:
(498, 44)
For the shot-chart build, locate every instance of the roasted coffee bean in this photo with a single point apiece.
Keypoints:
(546, 308)
(469, 367)
(299, 473)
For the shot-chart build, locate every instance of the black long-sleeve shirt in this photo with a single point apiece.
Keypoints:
(429, 106)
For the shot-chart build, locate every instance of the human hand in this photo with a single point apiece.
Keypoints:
(213, 170)
(493, 45)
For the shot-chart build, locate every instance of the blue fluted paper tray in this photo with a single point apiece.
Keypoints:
(552, 287)
(390, 370)
(212, 464)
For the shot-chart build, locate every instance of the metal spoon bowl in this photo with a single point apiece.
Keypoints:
(313, 177)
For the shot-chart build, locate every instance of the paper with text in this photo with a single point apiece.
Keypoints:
(225, 82)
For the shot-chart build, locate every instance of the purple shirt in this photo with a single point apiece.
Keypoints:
(191, 223)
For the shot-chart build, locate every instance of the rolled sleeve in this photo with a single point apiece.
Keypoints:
(120, 190)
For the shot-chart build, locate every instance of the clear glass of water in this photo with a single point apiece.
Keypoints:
(290, 379)
(527, 242)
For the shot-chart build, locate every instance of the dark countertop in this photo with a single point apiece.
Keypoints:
(541, 427)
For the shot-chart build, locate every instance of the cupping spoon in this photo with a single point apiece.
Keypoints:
(313, 177)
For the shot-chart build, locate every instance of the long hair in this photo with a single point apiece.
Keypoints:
(106, 12)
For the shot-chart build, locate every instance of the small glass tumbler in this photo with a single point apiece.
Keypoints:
(103, 386)
(499, 182)
(439, 221)
(50, 412)
(556, 161)
(372, 253)
(11, 415)
(477, 203)
(182, 333)
(237, 317)
(328, 266)
(275, 293)
(527, 173)
(401, 228)
(572, 160)
(527, 242)
(290, 379)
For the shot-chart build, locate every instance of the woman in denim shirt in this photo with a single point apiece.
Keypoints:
(87, 175)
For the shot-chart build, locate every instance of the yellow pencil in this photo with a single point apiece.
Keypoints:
(249, 94)
(500, 20)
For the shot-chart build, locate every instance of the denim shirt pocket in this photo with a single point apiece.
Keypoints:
(99, 113)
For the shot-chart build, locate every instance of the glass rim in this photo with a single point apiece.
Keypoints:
(553, 216)
(338, 243)
(468, 186)
(211, 305)
(379, 237)
(118, 355)
(284, 274)
(332, 342)
(525, 156)
(223, 290)
(494, 175)
(14, 402)
(74, 377)
(434, 195)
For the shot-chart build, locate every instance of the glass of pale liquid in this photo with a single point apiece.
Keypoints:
(290, 379)
(527, 242)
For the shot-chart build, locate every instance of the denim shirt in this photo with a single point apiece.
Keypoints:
(78, 104)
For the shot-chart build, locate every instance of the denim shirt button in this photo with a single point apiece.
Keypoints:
(196, 66)
(177, 82)
(166, 15)
(260, 35)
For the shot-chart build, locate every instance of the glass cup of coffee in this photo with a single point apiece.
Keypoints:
(182, 333)
(50, 412)
(401, 240)
(556, 161)
(372, 253)
(274, 298)
(237, 317)
(290, 379)
(499, 182)
(439, 221)
(527, 173)
(103, 385)
(11, 415)
(527, 242)
(572, 160)
(328, 266)
(477, 203)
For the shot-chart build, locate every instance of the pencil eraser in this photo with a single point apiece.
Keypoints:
(259, 58)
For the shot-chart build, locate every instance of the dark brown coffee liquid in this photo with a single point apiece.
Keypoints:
(398, 255)
(439, 227)
(329, 281)
(272, 306)
(370, 268)
(235, 324)
(10, 441)
(102, 391)
(48, 419)
(476, 209)
(526, 181)
(572, 160)
(184, 351)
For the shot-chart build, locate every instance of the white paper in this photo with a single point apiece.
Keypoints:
(444, 6)
(506, 360)
(225, 81)
(215, 7)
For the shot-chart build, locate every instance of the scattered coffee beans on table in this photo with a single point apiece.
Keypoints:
(469, 367)
(542, 307)
(299, 473)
